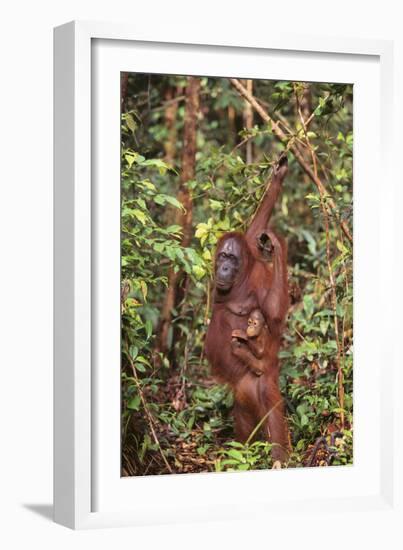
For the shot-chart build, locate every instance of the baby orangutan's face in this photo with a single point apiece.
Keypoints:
(255, 324)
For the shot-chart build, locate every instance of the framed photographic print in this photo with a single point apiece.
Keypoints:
(217, 208)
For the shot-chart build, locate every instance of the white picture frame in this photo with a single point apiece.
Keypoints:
(88, 491)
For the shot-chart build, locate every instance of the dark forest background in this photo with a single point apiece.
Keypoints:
(196, 156)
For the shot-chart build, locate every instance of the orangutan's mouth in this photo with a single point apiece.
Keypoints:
(222, 285)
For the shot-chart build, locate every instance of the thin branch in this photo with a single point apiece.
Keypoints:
(261, 421)
(147, 412)
(330, 270)
(336, 323)
(278, 132)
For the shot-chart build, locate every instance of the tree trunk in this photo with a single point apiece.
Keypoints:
(306, 102)
(231, 115)
(170, 123)
(124, 83)
(248, 121)
(176, 281)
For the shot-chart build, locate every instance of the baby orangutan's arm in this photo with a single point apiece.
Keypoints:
(240, 350)
(256, 345)
(239, 334)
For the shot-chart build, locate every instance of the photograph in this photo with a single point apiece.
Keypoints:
(236, 270)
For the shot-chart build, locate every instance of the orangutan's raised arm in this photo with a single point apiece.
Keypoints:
(262, 216)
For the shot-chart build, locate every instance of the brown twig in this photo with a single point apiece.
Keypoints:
(248, 118)
(261, 421)
(334, 307)
(330, 269)
(149, 416)
(278, 132)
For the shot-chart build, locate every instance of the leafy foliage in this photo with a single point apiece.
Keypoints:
(174, 416)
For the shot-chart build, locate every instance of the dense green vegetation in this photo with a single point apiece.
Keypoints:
(175, 418)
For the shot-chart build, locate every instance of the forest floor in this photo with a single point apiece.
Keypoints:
(193, 429)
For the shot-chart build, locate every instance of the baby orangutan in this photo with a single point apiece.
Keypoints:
(249, 345)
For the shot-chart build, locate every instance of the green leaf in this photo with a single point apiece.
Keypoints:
(339, 310)
(216, 205)
(140, 216)
(304, 420)
(160, 199)
(144, 289)
(236, 444)
(342, 247)
(310, 240)
(301, 409)
(170, 251)
(141, 203)
(179, 254)
(156, 163)
(174, 202)
(201, 230)
(134, 404)
(129, 159)
(163, 199)
(198, 271)
(174, 229)
(149, 328)
(142, 359)
(236, 455)
(131, 124)
(150, 186)
(324, 325)
(308, 305)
